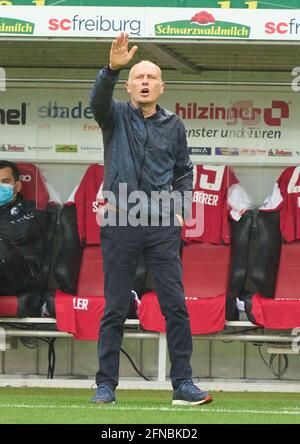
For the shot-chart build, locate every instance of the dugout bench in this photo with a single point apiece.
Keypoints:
(45, 329)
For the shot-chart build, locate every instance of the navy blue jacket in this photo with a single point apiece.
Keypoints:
(147, 154)
(24, 227)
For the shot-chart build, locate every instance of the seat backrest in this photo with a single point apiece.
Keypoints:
(241, 232)
(285, 198)
(223, 202)
(216, 195)
(85, 200)
(265, 260)
(274, 302)
(201, 262)
(79, 254)
(288, 278)
(275, 270)
(33, 185)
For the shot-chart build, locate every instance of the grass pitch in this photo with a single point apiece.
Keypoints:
(73, 406)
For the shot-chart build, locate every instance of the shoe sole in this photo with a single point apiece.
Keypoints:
(206, 400)
(103, 402)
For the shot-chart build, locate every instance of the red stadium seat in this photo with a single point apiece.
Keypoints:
(79, 301)
(207, 262)
(288, 280)
(205, 274)
(79, 271)
(33, 185)
(205, 269)
(282, 311)
(275, 303)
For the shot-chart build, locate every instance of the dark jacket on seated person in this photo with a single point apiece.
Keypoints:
(22, 229)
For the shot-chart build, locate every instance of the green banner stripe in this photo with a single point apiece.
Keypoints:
(14, 26)
(272, 4)
(187, 29)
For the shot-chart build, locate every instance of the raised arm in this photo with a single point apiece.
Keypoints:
(101, 101)
(119, 55)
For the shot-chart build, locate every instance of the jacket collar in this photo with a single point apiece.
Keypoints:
(138, 111)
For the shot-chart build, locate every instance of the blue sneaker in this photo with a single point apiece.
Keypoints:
(189, 394)
(104, 394)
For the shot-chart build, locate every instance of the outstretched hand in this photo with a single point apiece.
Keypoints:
(119, 54)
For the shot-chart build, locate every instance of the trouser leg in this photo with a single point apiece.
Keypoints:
(162, 246)
(15, 273)
(121, 248)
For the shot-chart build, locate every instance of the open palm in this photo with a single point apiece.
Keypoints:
(119, 54)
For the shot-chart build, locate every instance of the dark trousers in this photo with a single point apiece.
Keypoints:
(121, 249)
(16, 274)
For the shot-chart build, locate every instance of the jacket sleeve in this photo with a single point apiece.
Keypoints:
(183, 176)
(102, 103)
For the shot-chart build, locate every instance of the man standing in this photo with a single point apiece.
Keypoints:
(145, 149)
(22, 230)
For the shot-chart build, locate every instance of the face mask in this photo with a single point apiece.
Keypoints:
(6, 193)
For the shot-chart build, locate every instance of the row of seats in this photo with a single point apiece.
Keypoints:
(239, 254)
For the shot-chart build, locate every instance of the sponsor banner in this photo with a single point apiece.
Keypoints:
(253, 152)
(259, 4)
(247, 126)
(66, 148)
(227, 24)
(12, 148)
(40, 148)
(280, 152)
(55, 21)
(200, 150)
(223, 151)
(187, 23)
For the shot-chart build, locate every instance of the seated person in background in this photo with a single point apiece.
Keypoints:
(22, 227)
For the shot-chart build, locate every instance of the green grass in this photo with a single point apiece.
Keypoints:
(72, 406)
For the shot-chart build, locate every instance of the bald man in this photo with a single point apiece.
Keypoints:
(146, 161)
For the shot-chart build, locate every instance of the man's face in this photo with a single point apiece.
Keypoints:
(6, 177)
(145, 84)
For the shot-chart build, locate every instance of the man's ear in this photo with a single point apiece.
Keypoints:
(18, 186)
(128, 87)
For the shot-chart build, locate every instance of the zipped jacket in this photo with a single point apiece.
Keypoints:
(147, 154)
(24, 227)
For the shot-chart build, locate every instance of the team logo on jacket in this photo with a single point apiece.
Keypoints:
(14, 211)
